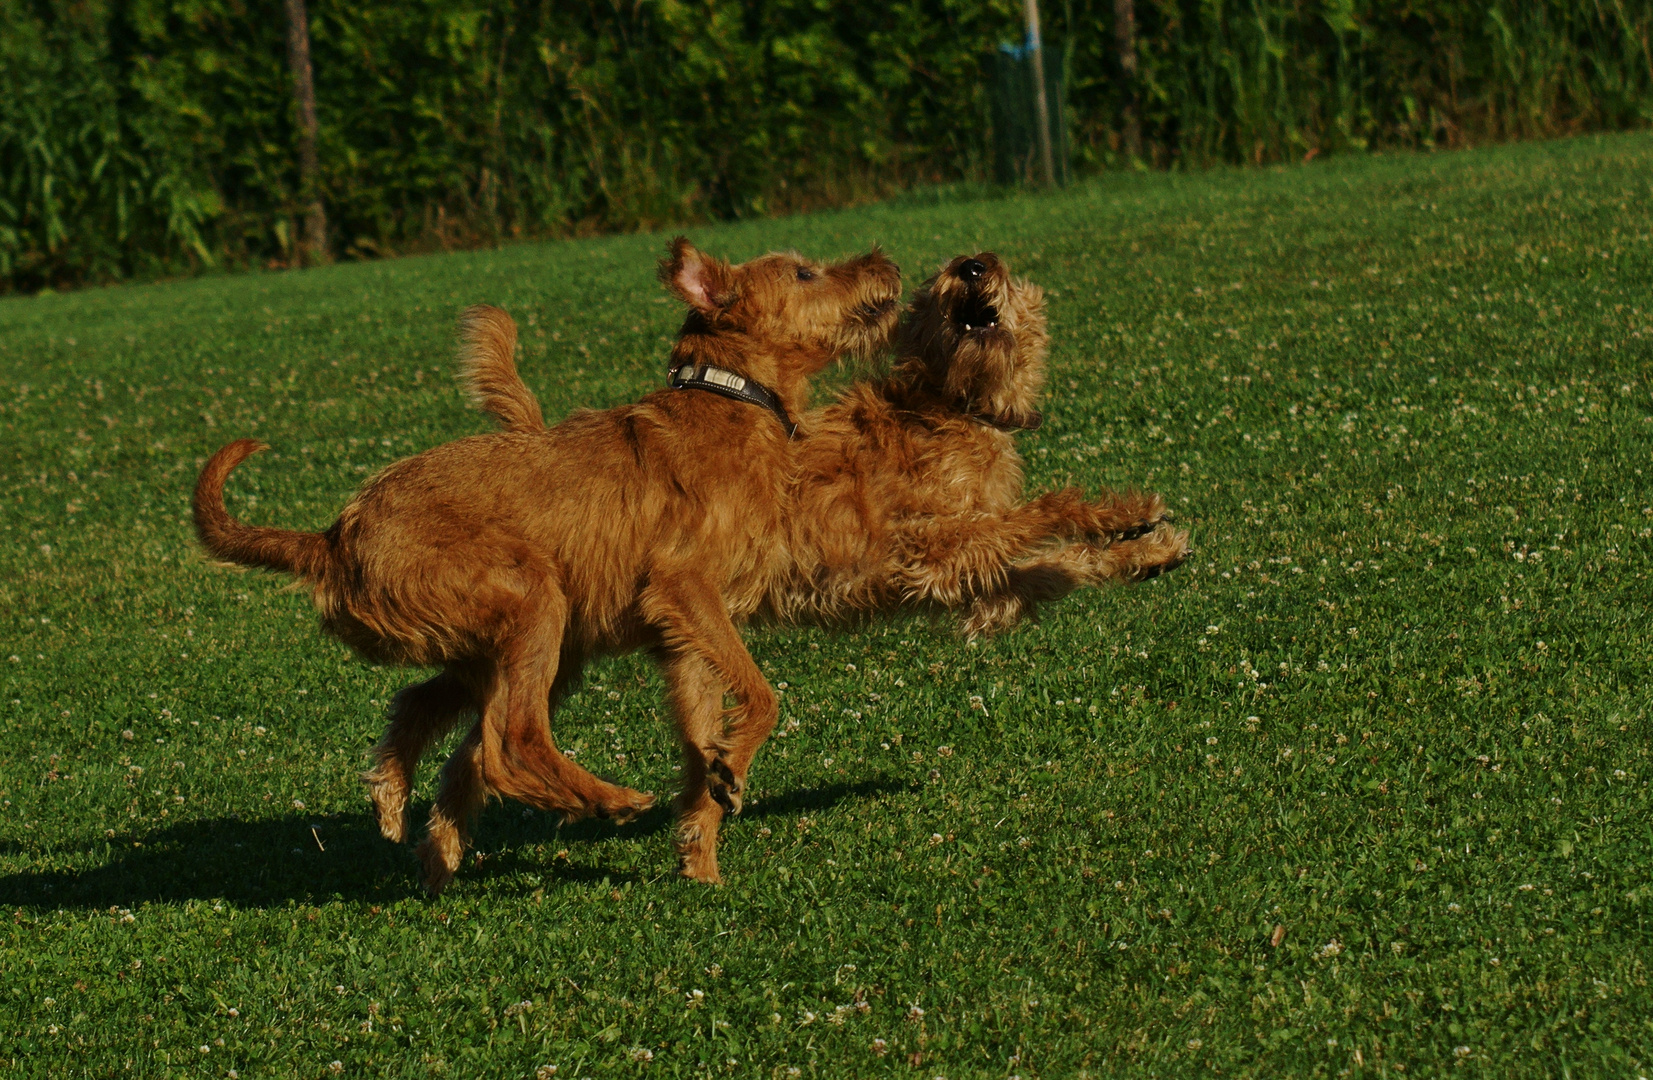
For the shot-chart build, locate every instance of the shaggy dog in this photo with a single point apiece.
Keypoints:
(906, 494)
(909, 490)
(511, 559)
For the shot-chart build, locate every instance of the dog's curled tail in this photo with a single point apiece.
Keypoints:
(488, 369)
(301, 553)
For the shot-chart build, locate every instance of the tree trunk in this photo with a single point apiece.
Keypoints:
(1041, 105)
(312, 247)
(1124, 34)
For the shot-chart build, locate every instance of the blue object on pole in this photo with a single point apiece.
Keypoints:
(1015, 115)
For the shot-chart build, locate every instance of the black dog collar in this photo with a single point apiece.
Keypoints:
(730, 385)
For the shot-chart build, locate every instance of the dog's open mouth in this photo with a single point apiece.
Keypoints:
(976, 313)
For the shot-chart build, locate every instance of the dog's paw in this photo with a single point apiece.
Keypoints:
(1150, 513)
(994, 613)
(703, 871)
(439, 856)
(1155, 516)
(697, 853)
(1136, 531)
(1159, 552)
(436, 879)
(623, 805)
(1118, 518)
(723, 785)
(389, 792)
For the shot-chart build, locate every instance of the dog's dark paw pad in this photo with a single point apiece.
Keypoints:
(722, 785)
(724, 796)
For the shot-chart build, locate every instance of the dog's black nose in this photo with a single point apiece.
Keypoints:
(971, 269)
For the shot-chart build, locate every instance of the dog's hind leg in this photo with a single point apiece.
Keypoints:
(463, 789)
(419, 716)
(466, 783)
(457, 801)
(520, 759)
(692, 618)
(1026, 585)
(697, 703)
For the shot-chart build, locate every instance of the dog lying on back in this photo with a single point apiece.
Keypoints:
(906, 494)
(909, 490)
(511, 559)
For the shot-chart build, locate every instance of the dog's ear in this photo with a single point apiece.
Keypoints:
(702, 282)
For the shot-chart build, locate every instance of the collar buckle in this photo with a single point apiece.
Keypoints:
(730, 385)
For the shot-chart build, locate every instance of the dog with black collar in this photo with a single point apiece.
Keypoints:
(511, 559)
(906, 493)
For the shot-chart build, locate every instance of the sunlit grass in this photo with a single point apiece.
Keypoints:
(1362, 790)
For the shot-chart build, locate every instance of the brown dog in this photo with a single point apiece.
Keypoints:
(910, 486)
(907, 494)
(511, 559)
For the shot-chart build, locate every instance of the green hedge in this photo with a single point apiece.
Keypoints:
(156, 136)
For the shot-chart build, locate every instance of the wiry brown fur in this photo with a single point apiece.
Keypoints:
(909, 489)
(511, 559)
(488, 369)
(1058, 571)
(907, 493)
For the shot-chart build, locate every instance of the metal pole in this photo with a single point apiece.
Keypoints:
(313, 247)
(1124, 32)
(1041, 107)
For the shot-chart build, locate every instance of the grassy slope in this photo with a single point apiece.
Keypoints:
(1397, 706)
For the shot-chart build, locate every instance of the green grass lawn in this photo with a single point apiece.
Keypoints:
(1360, 791)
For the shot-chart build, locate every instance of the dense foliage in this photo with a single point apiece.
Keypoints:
(144, 136)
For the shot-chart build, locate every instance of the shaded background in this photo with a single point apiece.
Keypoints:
(144, 137)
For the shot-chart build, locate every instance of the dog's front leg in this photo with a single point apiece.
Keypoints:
(692, 618)
(697, 704)
(951, 560)
(1026, 585)
(1053, 574)
(1137, 559)
(1066, 514)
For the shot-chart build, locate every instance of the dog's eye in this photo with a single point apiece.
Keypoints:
(805, 274)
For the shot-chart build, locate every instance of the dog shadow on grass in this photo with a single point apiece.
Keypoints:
(311, 858)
